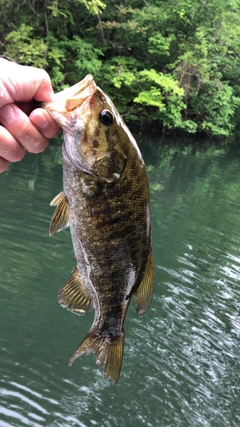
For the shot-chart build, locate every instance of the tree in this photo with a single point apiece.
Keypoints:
(174, 64)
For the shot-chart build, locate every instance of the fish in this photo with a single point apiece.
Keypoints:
(106, 203)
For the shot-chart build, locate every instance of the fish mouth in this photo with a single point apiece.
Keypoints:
(70, 99)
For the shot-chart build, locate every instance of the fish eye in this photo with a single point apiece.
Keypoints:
(106, 117)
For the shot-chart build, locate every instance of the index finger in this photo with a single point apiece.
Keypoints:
(22, 83)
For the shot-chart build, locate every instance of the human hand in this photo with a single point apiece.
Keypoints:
(23, 127)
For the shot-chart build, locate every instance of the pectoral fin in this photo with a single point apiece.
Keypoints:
(60, 218)
(74, 296)
(57, 199)
(144, 293)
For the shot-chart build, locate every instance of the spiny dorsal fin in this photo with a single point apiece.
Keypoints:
(60, 218)
(108, 350)
(143, 295)
(74, 296)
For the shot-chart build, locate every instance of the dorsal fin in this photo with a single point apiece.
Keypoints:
(144, 293)
(73, 294)
(60, 218)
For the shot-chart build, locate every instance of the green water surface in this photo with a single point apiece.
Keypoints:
(181, 365)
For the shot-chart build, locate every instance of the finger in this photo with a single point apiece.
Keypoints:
(10, 149)
(22, 129)
(23, 83)
(3, 165)
(44, 122)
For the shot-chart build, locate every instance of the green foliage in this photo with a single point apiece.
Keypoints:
(164, 63)
(159, 44)
(124, 71)
(162, 91)
(24, 48)
(87, 57)
(221, 107)
(94, 6)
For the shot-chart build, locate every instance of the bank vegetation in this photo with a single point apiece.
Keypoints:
(167, 64)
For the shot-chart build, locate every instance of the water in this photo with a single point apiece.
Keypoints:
(181, 364)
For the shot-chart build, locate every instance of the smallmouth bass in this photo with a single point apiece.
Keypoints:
(105, 202)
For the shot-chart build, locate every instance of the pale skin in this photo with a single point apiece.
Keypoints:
(23, 127)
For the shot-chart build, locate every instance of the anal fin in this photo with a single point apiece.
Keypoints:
(144, 293)
(60, 218)
(74, 296)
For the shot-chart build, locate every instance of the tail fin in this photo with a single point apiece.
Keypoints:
(108, 350)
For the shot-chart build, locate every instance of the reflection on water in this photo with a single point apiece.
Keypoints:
(182, 359)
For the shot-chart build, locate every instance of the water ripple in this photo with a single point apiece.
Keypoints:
(182, 359)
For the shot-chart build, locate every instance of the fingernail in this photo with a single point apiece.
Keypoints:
(7, 114)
